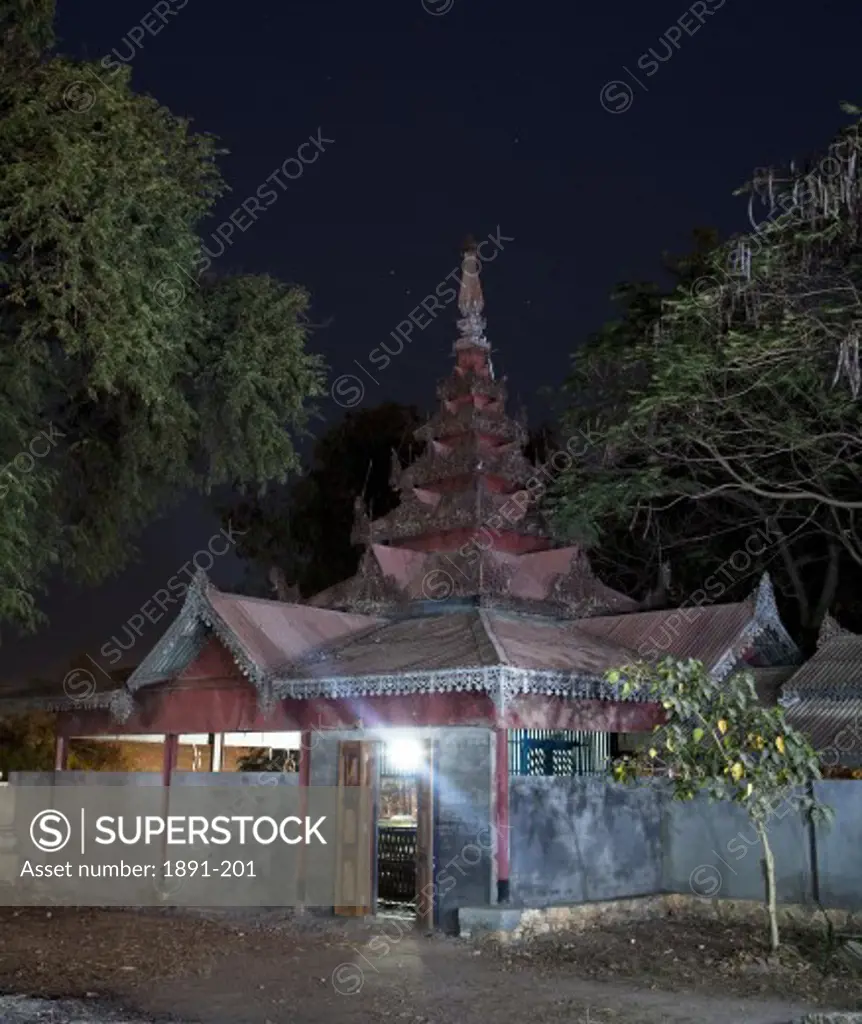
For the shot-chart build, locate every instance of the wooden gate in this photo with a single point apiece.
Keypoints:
(356, 828)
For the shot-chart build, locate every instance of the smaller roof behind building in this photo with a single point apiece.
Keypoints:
(823, 698)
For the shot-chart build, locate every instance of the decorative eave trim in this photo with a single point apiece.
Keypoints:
(766, 621)
(729, 661)
(790, 696)
(500, 682)
(243, 661)
(119, 703)
(198, 613)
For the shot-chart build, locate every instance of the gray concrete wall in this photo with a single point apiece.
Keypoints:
(712, 849)
(464, 843)
(324, 757)
(839, 844)
(584, 839)
(578, 839)
(79, 778)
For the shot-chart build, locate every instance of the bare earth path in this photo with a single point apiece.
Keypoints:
(158, 967)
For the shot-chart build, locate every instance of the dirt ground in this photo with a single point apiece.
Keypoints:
(152, 966)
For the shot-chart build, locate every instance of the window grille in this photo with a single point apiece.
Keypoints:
(560, 753)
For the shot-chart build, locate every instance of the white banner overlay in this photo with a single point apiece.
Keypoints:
(140, 844)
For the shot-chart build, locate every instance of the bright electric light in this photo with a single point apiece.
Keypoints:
(406, 754)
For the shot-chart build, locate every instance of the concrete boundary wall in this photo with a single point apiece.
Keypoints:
(587, 839)
(580, 839)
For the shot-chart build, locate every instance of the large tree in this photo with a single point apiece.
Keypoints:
(738, 408)
(125, 378)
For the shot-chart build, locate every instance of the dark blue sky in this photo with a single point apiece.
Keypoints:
(460, 117)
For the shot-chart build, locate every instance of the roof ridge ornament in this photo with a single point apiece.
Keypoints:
(830, 629)
(471, 301)
(395, 471)
(765, 608)
(360, 534)
(200, 582)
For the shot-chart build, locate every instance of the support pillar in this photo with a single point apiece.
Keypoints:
(170, 751)
(305, 758)
(304, 782)
(501, 824)
(61, 753)
(169, 758)
(216, 745)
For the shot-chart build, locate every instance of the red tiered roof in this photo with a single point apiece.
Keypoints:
(469, 523)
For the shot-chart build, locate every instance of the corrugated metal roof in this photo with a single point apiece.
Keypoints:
(834, 728)
(274, 633)
(555, 644)
(834, 672)
(429, 643)
(705, 632)
(470, 639)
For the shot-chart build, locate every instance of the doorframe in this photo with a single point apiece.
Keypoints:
(429, 747)
(426, 817)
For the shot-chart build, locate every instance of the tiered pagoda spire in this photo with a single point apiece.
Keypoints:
(473, 471)
(468, 526)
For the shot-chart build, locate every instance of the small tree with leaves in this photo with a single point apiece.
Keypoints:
(720, 741)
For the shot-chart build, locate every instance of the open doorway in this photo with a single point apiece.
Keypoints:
(395, 869)
(403, 842)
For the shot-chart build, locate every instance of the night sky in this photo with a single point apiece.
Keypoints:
(457, 117)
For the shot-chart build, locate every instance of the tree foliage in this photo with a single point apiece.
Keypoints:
(737, 407)
(719, 740)
(148, 379)
(304, 529)
(27, 745)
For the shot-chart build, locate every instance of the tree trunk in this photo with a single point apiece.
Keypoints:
(769, 873)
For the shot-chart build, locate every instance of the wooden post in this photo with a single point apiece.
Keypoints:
(304, 781)
(501, 825)
(61, 753)
(425, 839)
(170, 751)
(305, 758)
(216, 745)
(169, 759)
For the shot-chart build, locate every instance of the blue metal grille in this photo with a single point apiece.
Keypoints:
(563, 753)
